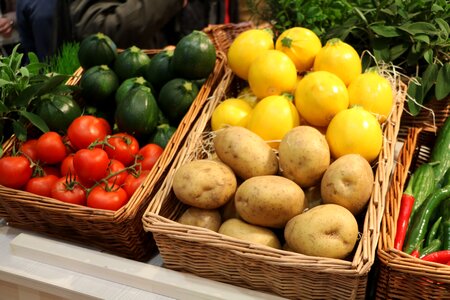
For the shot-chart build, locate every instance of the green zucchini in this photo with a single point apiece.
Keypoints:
(440, 153)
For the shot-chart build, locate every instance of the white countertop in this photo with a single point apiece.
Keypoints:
(75, 272)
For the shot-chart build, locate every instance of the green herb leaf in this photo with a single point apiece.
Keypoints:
(35, 120)
(415, 91)
(385, 31)
(442, 88)
(428, 56)
(429, 77)
(3, 108)
(419, 28)
(19, 130)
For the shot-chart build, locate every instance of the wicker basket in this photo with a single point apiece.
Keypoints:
(119, 232)
(295, 276)
(431, 116)
(402, 276)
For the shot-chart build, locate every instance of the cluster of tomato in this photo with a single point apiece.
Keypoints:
(88, 166)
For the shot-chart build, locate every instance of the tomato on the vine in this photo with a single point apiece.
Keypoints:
(123, 147)
(41, 185)
(115, 166)
(15, 171)
(85, 130)
(67, 189)
(148, 155)
(134, 181)
(29, 149)
(50, 148)
(91, 165)
(51, 170)
(66, 167)
(107, 197)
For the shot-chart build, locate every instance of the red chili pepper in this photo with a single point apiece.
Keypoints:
(406, 207)
(415, 253)
(442, 257)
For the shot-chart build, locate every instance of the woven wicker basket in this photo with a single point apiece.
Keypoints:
(119, 232)
(402, 276)
(295, 276)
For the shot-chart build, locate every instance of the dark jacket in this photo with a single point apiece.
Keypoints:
(142, 23)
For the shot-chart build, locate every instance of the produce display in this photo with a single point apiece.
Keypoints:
(99, 148)
(424, 218)
(291, 164)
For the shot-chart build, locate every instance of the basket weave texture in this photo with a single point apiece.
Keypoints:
(118, 232)
(402, 276)
(215, 256)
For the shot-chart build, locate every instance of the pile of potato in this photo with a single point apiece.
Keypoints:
(251, 192)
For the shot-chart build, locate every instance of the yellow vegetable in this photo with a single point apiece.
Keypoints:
(355, 131)
(339, 58)
(373, 92)
(231, 112)
(320, 96)
(246, 47)
(273, 117)
(272, 73)
(248, 96)
(301, 45)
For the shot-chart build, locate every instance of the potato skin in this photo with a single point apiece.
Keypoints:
(327, 230)
(269, 201)
(204, 184)
(251, 233)
(348, 181)
(245, 152)
(304, 155)
(206, 218)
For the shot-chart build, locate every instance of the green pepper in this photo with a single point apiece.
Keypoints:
(422, 218)
(433, 247)
(433, 231)
(444, 230)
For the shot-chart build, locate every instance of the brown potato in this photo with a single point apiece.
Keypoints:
(245, 152)
(206, 218)
(204, 184)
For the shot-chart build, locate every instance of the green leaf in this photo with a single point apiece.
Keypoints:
(3, 108)
(35, 120)
(445, 29)
(436, 8)
(428, 56)
(24, 71)
(419, 28)
(19, 130)
(50, 84)
(385, 31)
(4, 82)
(398, 50)
(415, 92)
(442, 88)
(423, 38)
(26, 95)
(429, 77)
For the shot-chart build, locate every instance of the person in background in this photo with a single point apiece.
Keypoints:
(9, 36)
(147, 24)
(43, 26)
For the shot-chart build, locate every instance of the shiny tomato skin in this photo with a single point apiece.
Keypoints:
(29, 149)
(15, 171)
(91, 165)
(50, 148)
(51, 170)
(66, 166)
(68, 191)
(132, 182)
(115, 166)
(86, 129)
(41, 185)
(148, 155)
(110, 198)
(124, 148)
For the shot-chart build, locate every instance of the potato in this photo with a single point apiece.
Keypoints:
(304, 155)
(327, 230)
(251, 233)
(206, 218)
(269, 200)
(348, 182)
(228, 211)
(245, 152)
(204, 184)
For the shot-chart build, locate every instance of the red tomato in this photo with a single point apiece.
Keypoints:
(124, 148)
(106, 124)
(51, 170)
(29, 149)
(132, 182)
(91, 165)
(15, 171)
(41, 185)
(50, 148)
(116, 166)
(107, 197)
(66, 167)
(86, 129)
(68, 190)
(148, 155)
